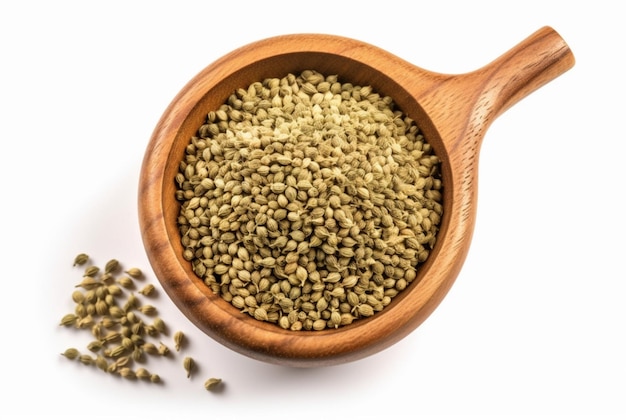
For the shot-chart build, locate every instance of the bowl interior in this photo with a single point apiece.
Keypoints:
(218, 318)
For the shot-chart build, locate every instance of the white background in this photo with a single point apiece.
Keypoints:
(534, 326)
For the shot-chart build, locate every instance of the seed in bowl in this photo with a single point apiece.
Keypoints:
(308, 202)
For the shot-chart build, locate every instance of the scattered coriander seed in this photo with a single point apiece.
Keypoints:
(179, 338)
(78, 296)
(71, 353)
(112, 336)
(134, 272)
(111, 266)
(142, 373)
(147, 290)
(114, 290)
(189, 365)
(147, 309)
(212, 383)
(131, 303)
(150, 348)
(163, 350)
(117, 351)
(101, 363)
(126, 282)
(159, 325)
(127, 373)
(95, 346)
(88, 283)
(81, 259)
(91, 271)
(86, 359)
(69, 320)
(120, 333)
(112, 368)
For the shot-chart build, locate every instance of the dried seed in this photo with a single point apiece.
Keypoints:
(126, 282)
(147, 309)
(189, 365)
(86, 359)
(134, 272)
(95, 346)
(91, 271)
(69, 320)
(150, 348)
(127, 373)
(142, 373)
(163, 350)
(78, 296)
(81, 259)
(71, 353)
(117, 351)
(101, 363)
(111, 266)
(159, 325)
(179, 338)
(147, 290)
(89, 283)
(212, 384)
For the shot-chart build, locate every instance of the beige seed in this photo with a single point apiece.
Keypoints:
(163, 350)
(142, 373)
(117, 351)
(111, 266)
(212, 384)
(86, 359)
(189, 365)
(89, 283)
(150, 348)
(71, 353)
(69, 320)
(179, 338)
(126, 282)
(81, 259)
(101, 363)
(147, 309)
(78, 296)
(127, 373)
(147, 290)
(159, 324)
(134, 272)
(95, 346)
(91, 271)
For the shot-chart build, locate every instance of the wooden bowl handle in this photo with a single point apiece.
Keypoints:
(532, 63)
(463, 106)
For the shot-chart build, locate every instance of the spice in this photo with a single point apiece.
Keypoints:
(179, 337)
(300, 192)
(71, 353)
(81, 259)
(111, 266)
(134, 272)
(147, 290)
(189, 365)
(120, 334)
(212, 383)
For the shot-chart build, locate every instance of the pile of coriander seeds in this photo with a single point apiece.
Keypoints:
(126, 330)
(307, 201)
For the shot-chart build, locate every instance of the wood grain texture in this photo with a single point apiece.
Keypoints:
(453, 111)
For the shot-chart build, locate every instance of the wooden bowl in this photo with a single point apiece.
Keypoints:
(453, 112)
